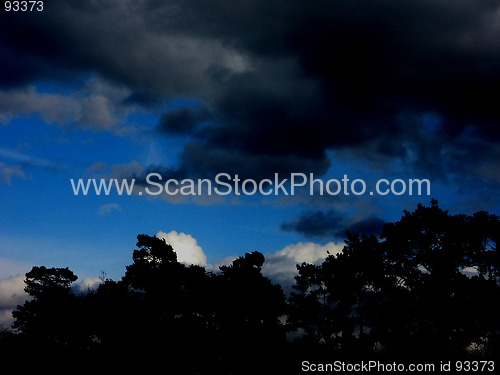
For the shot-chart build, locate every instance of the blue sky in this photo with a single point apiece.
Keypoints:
(106, 90)
(43, 222)
(47, 223)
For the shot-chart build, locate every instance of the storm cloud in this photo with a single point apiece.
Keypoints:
(280, 84)
(331, 224)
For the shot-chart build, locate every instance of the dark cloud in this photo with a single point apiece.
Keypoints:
(368, 226)
(331, 224)
(315, 223)
(198, 161)
(183, 120)
(284, 82)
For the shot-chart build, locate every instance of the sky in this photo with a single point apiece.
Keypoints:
(188, 90)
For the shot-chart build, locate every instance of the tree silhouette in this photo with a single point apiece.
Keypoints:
(169, 302)
(427, 287)
(248, 309)
(48, 320)
(428, 250)
(45, 314)
(335, 301)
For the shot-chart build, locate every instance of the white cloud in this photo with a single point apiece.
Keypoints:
(12, 291)
(105, 209)
(11, 294)
(52, 107)
(25, 159)
(97, 110)
(96, 106)
(10, 171)
(187, 249)
(17, 163)
(90, 283)
(309, 252)
(281, 266)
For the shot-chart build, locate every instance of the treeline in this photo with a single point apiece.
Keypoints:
(427, 288)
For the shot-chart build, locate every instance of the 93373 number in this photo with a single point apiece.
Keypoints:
(23, 6)
(475, 366)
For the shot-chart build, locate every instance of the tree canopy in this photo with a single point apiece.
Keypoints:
(428, 286)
